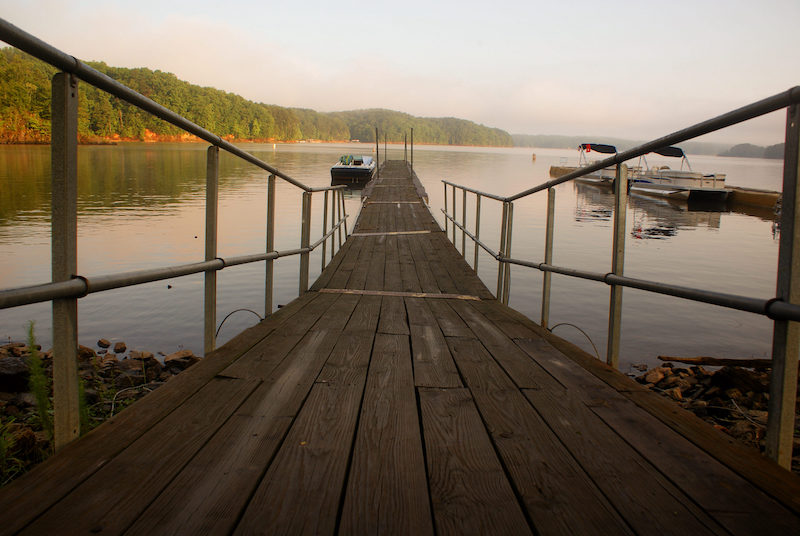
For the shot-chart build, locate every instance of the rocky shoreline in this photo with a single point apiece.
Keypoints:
(733, 399)
(112, 377)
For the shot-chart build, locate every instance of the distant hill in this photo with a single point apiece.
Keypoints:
(748, 150)
(25, 112)
(572, 142)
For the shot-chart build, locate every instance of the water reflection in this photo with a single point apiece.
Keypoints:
(651, 217)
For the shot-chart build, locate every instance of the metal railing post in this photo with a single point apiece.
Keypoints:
(477, 229)
(454, 215)
(64, 169)
(548, 255)
(325, 228)
(446, 220)
(786, 334)
(412, 148)
(377, 155)
(464, 225)
(617, 264)
(344, 216)
(212, 203)
(270, 246)
(507, 275)
(334, 204)
(305, 241)
(501, 251)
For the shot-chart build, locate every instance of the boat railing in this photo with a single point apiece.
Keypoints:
(783, 308)
(67, 286)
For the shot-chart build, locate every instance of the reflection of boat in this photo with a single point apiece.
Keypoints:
(679, 184)
(353, 170)
(604, 176)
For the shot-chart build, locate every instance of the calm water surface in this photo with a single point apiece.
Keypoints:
(142, 206)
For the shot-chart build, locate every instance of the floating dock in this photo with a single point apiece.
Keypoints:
(398, 396)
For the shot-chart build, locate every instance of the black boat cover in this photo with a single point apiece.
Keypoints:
(670, 151)
(599, 147)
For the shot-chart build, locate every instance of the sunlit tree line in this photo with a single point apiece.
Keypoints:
(25, 112)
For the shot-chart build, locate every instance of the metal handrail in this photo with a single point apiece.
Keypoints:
(782, 309)
(36, 47)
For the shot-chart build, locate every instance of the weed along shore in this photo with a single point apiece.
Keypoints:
(112, 377)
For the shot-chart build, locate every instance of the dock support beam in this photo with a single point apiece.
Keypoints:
(64, 168)
(212, 202)
(548, 256)
(305, 242)
(786, 334)
(617, 264)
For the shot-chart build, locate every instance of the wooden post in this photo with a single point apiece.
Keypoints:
(786, 334)
(548, 256)
(212, 201)
(64, 169)
(617, 264)
(305, 241)
(270, 246)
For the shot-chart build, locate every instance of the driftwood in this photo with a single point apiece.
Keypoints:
(720, 362)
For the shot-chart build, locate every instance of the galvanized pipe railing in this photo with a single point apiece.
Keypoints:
(783, 309)
(67, 286)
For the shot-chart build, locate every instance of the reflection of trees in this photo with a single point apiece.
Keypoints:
(129, 175)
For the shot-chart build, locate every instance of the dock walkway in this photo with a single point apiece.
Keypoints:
(398, 397)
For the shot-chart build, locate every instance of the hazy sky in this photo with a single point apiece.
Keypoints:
(632, 69)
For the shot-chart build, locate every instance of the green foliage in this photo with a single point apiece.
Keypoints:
(39, 385)
(25, 112)
(10, 465)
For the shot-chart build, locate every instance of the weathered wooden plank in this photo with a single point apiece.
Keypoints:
(425, 275)
(470, 492)
(646, 499)
(449, 321)
(345, 269)
(519, 366)
(34, 492)
(387, 491)
(433, 364)
(302, 489)
(358, 277)
(408, 272)
(210, 493)
(557, 494)
(107, 502)
(392, 278)
(393, 316)
(333, 266)
(376, 264)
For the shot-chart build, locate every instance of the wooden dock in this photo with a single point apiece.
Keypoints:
(398, 397)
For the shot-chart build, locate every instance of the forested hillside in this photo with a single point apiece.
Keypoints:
(25, 112)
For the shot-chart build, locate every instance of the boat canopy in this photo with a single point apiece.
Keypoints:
(670, 151)
(599, 147)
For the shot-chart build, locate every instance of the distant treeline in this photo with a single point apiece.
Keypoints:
(749, 150)
(25, 112)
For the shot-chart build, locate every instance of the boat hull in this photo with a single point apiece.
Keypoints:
(351, 175)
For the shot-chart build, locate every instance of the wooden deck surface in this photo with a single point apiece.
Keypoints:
(363, 408)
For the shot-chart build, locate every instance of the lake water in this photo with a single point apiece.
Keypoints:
(142, 206)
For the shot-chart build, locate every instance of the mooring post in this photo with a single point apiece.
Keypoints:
(464, 225)
(617, 264)
(477, 229)
(501, 252)
(325, 229)
(305, 241)
(270, 245)
(212, 203)
(507, 275)
(786, 334)
(64, 248)
(548, 256)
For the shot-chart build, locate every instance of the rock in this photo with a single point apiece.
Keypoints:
(91, 395)
(654, 376)
(181, 359)
(739, 378)
(674, 393)
(85, 353)
(129, 378)
(103, 343)
(119, 347)
(14, 374)
(23, 400)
